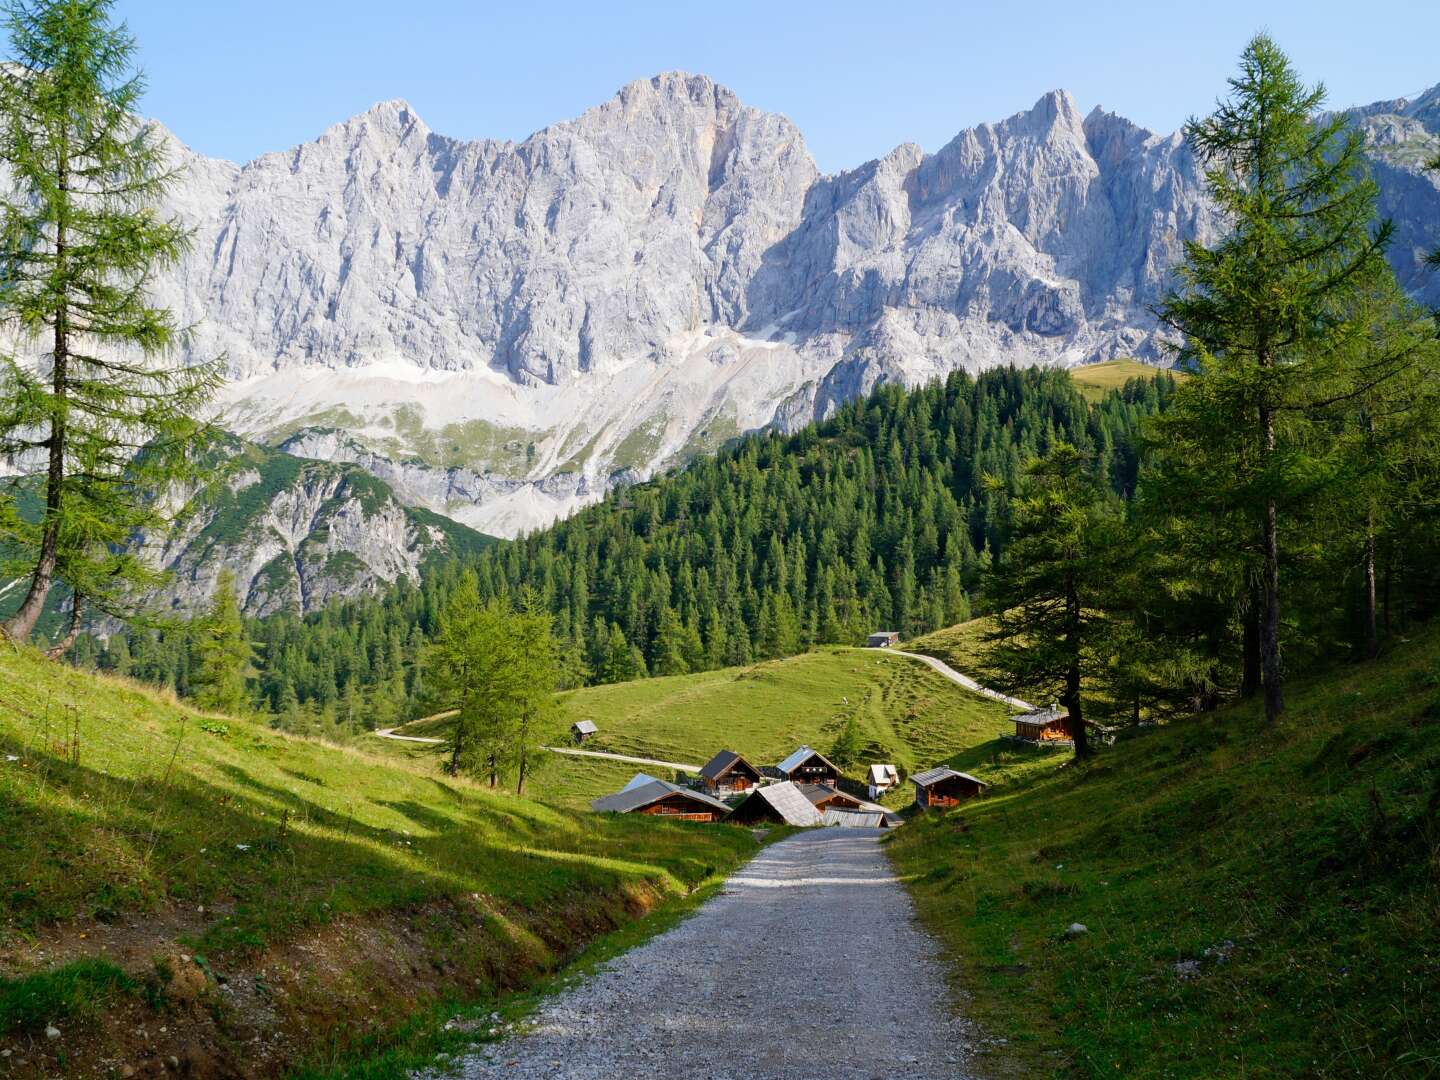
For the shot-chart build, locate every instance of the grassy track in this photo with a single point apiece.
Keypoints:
(1260, 901)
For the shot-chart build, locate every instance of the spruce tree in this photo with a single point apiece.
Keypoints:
(92, 400)
(1259, 311)
(223, 652)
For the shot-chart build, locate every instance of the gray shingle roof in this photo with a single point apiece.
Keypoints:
(792, 762)
(585, 727)
(639, 797)
(855, 819)
(934, 776)
(884, 774)
(787, 801)
(817, 793)
(722, 763)
(640, 779)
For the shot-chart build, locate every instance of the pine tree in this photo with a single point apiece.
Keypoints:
(224, 652)
(1050, 591)
(80, 243)
(1260, 309)
(537, 675)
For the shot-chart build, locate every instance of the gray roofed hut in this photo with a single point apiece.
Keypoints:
(1050, 725)
(808, 766)
(783, 804)
(727, 772)
(881, 778)
(582, 730)
(944, 787)
(882, 639)
(646, 795)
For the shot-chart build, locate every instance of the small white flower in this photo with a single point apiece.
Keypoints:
(242, 847)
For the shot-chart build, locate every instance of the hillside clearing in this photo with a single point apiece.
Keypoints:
(1094, 381)
(1259, 901)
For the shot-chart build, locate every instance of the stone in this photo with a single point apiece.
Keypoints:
(52, 1032)
(1076, 929)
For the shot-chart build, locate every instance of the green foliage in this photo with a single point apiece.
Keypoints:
(80, 243)
(79, 988)
(225, 654)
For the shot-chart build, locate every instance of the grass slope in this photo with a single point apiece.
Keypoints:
(905, 712)
(1094, 381)
(168, 812)
(1260, 901)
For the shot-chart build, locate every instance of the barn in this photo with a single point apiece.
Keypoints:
(807, 766)
(944, 787)
(1044, 725)
(646, 795)
(780, 804)
(727, 773)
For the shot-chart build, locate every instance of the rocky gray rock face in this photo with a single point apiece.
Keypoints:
(296, 534)
(670, 269)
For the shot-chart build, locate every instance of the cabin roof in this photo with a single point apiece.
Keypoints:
(855, 819)
(638, 797)
(640, 779)
(931, 777)
(585, 727)
(789, 802)
(722, 763)
(1042, 716)
(882, 774)
(799, 757)
(818, 793)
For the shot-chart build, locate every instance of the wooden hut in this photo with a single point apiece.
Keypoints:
(882, 639)
(582, 730)
(882, 778)
(823, 796)
(779, 804)
(807, 766)
(1044, 726)
(943, 787)
(646, 795)
(728, 773)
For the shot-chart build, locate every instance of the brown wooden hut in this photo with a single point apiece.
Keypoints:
(1045, 725)
(944, 787)
(807, 766)
(728, 773)
(646, 795)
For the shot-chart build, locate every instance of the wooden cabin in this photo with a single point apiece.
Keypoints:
(582, 730)
(1045, 725)
(646, 795)
(807, 766)
(882, 778)
(779, 804)
(882, 639)
(942, 788)
(823, 797)
(727, 773)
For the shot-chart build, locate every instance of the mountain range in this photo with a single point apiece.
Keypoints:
(502, 331)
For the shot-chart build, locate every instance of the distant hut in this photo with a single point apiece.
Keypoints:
(807, 766)
(944, 787)
(882, 639)
(881, 779)
(727, 773)
(646, 795)
(582, 730)
(1050, 725)
(777, 803)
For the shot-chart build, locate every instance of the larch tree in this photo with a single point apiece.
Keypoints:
(1260, 309)
(537, 676)
(90, 400)
(1050, 590)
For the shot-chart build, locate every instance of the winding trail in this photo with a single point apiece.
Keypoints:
(808, 966)
(964, 680)
(390, 733)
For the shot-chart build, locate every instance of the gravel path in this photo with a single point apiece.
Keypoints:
(965, 680)
(808, 966)
(623, 757)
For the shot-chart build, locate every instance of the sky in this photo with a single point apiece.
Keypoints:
(236, 80)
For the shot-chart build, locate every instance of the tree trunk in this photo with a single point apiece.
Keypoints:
(22, 623)
(60, 648)
(1372, 631)
(1270, 674)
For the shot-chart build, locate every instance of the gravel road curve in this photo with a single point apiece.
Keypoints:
(808, 965)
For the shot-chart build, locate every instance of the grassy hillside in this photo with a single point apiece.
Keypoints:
(132, 828)
(905, 713)
(1094, 381)
(1259, 901)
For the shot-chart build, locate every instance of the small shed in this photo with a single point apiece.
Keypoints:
(882, 639)
(944, 787)
(1045, 725)
(809, 766)
(778, 803)
(881, 779)
(856, 819)
(582, 730)
(646, 795)
(728, 773)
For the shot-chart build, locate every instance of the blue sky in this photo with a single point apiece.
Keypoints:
(237, 79)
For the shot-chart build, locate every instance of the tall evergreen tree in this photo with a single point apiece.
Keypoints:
(225, 654)
(111, 420)
(1260, 309)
